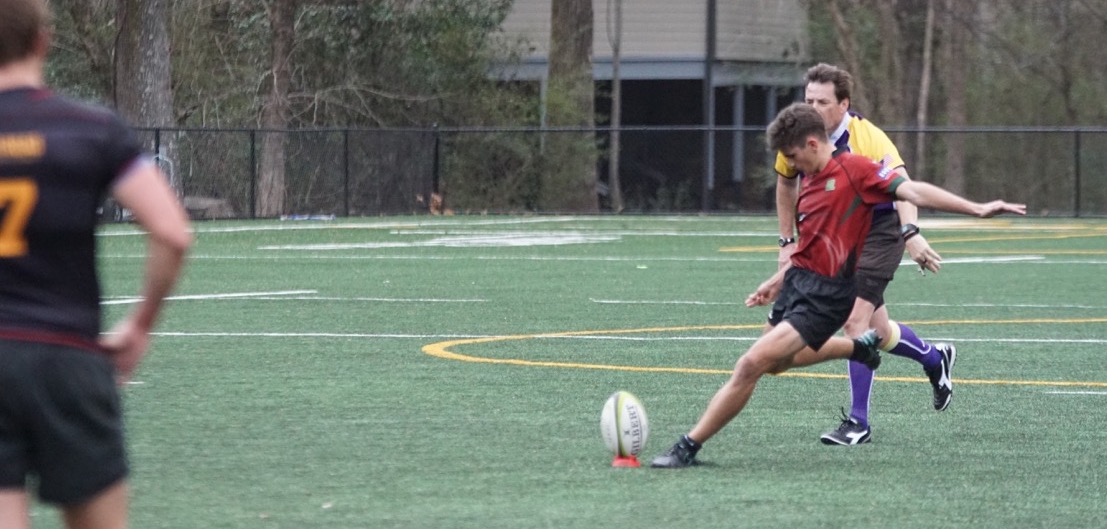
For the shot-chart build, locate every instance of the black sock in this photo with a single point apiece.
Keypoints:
(690, 444)
(860, 352)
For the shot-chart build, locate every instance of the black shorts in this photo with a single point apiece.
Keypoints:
(815, 305)
(880, 258)
(60, 421)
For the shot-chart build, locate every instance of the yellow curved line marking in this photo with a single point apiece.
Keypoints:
(442, 350)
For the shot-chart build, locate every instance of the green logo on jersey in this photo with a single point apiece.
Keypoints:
(830, 184)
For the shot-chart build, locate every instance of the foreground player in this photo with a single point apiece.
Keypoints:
(829, 90)
(60, 413)
(814, 295)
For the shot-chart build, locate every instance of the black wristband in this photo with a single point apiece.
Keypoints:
(785, 241)
(908, 230)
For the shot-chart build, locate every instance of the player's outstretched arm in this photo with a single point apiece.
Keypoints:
(927, 195)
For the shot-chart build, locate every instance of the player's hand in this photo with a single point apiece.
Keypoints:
(997, 207)
(767, 292)
(126, 344)
(923, 254)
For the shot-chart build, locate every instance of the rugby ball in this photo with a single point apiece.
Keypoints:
(624, 425)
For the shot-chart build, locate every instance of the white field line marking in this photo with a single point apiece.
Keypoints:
(1000, 305)
(276, 296)
(973, 260)
(1076, 392)
(325, 335)
(302, 257)
(491, 240)
(554, 337)
(535, 258)
(386, 300)
(347, 225)
(931, 224)
(906, 304)
(235, 295)
(589, 231)
(660, 302)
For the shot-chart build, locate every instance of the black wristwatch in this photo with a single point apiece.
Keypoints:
(908, 230)
(785, 241)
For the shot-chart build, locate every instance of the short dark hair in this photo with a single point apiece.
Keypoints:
(20, 26)
(828, 73)
(794, 125)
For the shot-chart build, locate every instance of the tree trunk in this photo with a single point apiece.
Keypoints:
(275, 109)
(570, 184)
(959, 16)
(143, 92)
(919, 165)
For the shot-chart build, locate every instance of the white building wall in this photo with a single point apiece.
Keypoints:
(747, 30)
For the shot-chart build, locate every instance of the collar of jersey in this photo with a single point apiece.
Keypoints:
(841, 129)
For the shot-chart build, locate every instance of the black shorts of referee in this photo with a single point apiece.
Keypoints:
(880, 258)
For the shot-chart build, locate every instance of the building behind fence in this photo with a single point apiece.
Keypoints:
(371, 172)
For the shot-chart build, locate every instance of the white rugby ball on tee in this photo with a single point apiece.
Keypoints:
(624, 425)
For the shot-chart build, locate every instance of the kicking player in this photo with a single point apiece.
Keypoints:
(815, 294)
(894, 227)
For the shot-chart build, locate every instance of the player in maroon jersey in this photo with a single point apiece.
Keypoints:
(815, 294)
(60, 414)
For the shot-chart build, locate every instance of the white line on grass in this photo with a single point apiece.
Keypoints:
(386, 300)
(976, 260)
(1077, 392)
(563, 337)
(1001, 305)
(935, 305)
(326, 335)
(592, 231)
(633, 259)
(293, 295)
(234, 295)
(659, 302)
(484, 241)
(302, 257)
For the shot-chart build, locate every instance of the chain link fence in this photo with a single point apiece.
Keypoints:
(370, 172)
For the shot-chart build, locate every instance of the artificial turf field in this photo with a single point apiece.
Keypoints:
(449, 372)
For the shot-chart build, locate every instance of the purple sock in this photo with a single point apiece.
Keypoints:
(913, 347)
(860, 385)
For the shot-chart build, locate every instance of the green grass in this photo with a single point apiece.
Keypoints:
(322, 409)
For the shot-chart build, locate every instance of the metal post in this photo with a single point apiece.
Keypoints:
(253, 174)
(346, 172)
(1076, 172)
(738, 148)
(709, 108)
(616, 111)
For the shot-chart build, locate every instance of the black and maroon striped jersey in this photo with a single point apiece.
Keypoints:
(58, 160)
